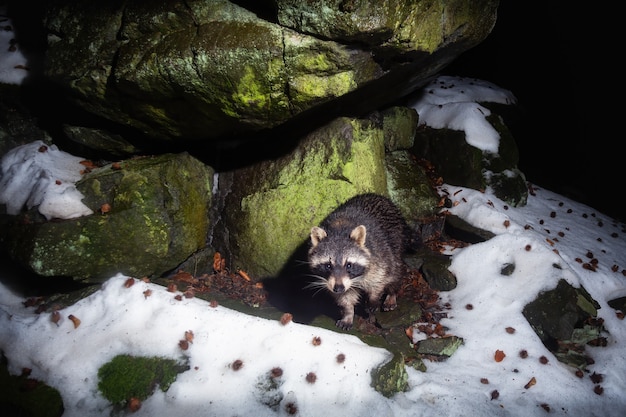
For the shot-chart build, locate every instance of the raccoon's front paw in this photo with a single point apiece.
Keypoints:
(390, 303)
(344, 324)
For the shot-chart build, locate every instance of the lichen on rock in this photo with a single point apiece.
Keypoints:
(157, 217)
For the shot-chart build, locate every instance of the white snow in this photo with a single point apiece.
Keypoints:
(13, 64)
(452, 103)
(117, 320)
(146, 319)
(39, 175)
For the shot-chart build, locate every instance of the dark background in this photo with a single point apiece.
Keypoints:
(560, 60)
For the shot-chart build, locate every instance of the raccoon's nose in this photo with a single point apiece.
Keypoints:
(339, 288)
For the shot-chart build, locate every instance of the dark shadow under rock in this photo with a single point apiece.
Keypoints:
(289, 291)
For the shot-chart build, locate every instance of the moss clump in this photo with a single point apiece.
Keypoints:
(391, 377)
(128, 376)
(250, 91)
(21, 395)
(309, 87)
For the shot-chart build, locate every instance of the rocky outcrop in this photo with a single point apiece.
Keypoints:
(257, 216)
(270, 207)
(150, 214)
(197, 70)
(566, 320)
(304, 84)
(254, 123)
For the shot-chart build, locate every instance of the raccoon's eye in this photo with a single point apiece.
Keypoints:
(354, 269)
(328, 266)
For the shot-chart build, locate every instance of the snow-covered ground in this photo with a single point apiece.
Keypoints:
(245, 365)
(146, 319)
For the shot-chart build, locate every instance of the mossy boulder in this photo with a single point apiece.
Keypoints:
(150, 214)
(22, 395)
(196, 70)
(392, 377)
(275, 203)
(409, 187)
(392, 26)
(462, 164)
(271, 206)
(565, 319)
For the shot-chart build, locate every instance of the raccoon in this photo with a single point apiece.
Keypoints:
(358, 250)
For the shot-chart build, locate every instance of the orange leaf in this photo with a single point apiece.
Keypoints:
(134, 404)
(530, 383)
(499, 356)
(218, 262)
(75, 320)
(55, 317)
(243, 274)
(409, 332)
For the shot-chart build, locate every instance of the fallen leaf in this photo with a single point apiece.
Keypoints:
(530, 383)
(134, 404)
(244, 275)
(55, 317)
(75, 320)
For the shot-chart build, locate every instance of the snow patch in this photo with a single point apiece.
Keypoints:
(41, 175)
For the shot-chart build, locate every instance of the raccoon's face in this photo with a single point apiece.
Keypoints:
(340, 264)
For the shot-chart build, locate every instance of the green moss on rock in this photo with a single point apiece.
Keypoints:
(439, 346)
(158, 217)
(127, 376)
(409, 187)
(309, 87)
(21, 395)
(392, 377)
(279, 201)
(565, 319)
(399, 127)
(467, 166)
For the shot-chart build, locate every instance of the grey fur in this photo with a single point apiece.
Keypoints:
(358, 250)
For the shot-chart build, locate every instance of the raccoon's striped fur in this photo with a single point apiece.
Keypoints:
(358, 250)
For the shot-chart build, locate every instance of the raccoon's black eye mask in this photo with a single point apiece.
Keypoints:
(354, 270)
(323, 270)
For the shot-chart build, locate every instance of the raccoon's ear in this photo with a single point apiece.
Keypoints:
(317, 234)
(358, 235)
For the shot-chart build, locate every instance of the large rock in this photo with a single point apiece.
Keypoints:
(17, 124)
(204, 70)
(389, 27)
(271, 206)
(464, 165)
(150, 215)
(566, 320)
